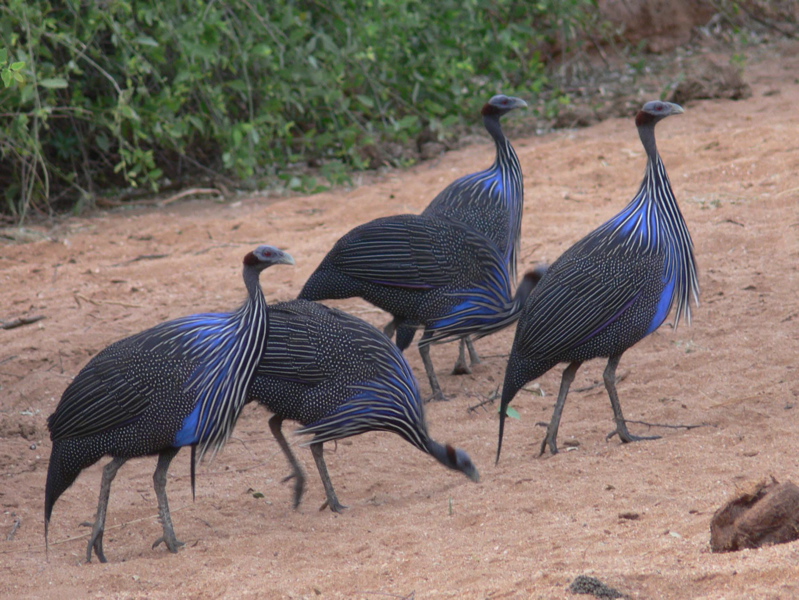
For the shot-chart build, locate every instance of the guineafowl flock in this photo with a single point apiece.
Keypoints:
(450, 271)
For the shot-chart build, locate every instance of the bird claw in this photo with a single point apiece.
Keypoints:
(626, 437)
(461, 368)
(438, 397)
(553, 447)
(335, 506)
(171, 542)
(96, 544)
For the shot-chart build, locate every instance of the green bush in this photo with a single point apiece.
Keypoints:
(124, 93)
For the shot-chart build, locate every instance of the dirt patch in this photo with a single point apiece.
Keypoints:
(413, 528)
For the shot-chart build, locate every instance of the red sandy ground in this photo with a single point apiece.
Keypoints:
(413, 528)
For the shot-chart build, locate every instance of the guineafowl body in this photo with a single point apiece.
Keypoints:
(339, 376)
(608, 291)
(425, 271)
(490, 202)
(181, 383)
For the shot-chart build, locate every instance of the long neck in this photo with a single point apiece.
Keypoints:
(507, 163)
(647, 134)
(506, 155)
(255, 295)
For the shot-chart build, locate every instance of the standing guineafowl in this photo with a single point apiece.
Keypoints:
(490, 202)
(181, 383)
(608, 291)
(427, 272)
(339, 376)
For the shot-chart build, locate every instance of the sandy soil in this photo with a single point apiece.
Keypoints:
(414, 529)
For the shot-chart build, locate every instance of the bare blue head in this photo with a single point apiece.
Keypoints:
(501, 104)
(655, 111)
(266, 256)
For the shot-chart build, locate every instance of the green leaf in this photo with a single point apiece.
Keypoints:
(127, 112)
(366, 101)
(3, 55)
(145, 40)
(53, 83)
(17, 66)
(512, 413)
(6, 78)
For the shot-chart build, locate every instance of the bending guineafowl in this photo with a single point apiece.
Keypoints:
(490, 201)
(608, 291)
(339, 376)
(181, 383)
(425, 271)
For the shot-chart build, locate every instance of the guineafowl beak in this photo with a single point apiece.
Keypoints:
(676, 109)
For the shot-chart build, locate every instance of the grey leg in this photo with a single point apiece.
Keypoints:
(474, 358)
(424, 350)
(552, 431)
(461, 368)
(621, 425)
(96, 539)
(276, 427)
(332, 500)
(159, 483)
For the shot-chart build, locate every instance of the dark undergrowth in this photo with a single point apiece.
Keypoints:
(117, 98)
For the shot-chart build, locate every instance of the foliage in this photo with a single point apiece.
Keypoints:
(122, 93)
(10, 72)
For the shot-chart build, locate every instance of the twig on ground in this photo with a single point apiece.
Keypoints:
(20, 321)
(667, 426)
(190, 192)
(410, 596)
(733, 222)
(79, 297)
(490, 400)
(85, 535)
(14, 527)
(142, 257)
(593, 386)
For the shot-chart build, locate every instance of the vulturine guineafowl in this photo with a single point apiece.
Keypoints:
(181, 383)
(427, 272)
(490, 202)
(339, 376)
(608, 291)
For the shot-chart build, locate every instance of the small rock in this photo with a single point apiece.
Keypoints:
(583, 584)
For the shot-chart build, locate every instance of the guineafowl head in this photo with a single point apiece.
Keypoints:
(266, 256)
(502, 104)
(656, 110)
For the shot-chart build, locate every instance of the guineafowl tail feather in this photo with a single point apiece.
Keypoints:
(509, 389)
(62, 472)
